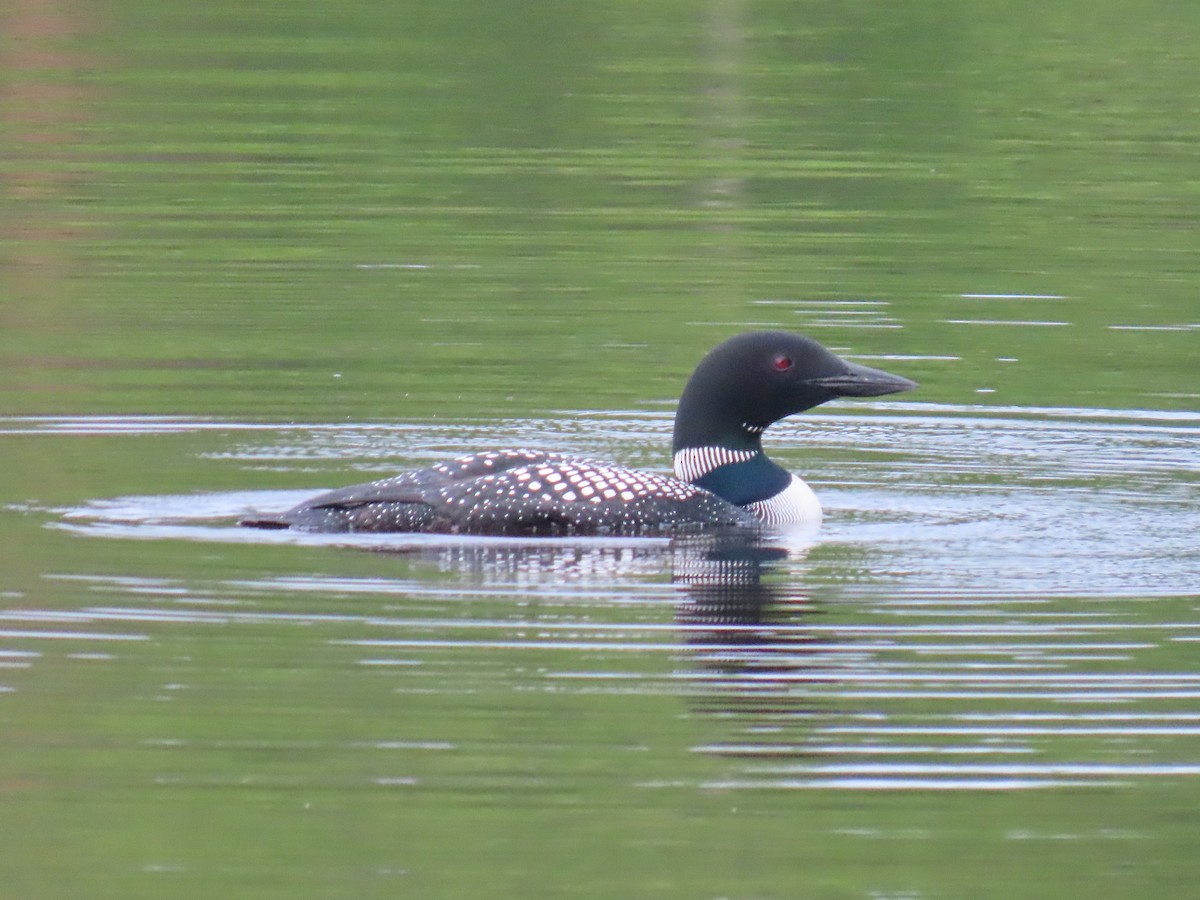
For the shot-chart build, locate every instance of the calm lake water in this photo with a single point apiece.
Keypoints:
(254, 251)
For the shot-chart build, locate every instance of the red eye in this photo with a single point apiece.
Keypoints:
(781, 363)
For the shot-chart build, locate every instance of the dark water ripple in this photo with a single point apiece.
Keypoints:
(999, 599)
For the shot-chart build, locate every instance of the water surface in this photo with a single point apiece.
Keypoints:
(251, 252)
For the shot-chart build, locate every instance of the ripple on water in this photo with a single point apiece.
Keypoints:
(1001, 595)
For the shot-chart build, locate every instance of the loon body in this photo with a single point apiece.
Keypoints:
(722, 477)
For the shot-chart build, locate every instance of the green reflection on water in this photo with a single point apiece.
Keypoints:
(336, 209)
(316, 211)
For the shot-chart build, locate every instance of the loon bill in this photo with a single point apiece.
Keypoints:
(722, 477)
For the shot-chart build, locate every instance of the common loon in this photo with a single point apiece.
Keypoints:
(722, 477)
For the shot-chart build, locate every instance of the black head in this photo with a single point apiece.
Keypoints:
(752, 380)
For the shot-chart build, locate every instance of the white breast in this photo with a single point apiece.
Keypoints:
(794, 505)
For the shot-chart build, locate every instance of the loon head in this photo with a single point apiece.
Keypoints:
(739, 389)
(755, 379)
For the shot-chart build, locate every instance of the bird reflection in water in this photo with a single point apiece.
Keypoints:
(744, 622)
(738, 611)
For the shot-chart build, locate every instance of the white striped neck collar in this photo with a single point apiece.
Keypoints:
(693, 463)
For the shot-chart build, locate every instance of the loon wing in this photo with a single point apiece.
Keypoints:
(351, 508)
(516, 493)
